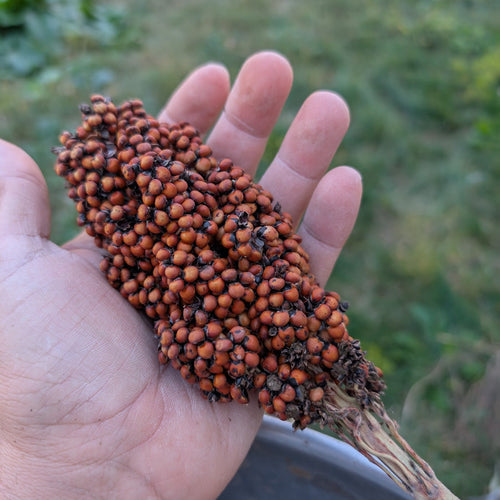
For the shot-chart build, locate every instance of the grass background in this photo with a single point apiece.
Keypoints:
(422, 79)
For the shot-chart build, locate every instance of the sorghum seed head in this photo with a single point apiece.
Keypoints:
(212, 260)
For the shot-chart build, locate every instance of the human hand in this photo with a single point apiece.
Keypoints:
(85, 408)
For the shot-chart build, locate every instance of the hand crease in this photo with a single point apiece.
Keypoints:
(319, 240)
(242, 126)
(298, 173)
(23, 176)
(36, 253)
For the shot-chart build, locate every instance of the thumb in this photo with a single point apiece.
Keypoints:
(24, 199)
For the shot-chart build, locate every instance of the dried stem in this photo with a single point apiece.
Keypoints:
(374, 434)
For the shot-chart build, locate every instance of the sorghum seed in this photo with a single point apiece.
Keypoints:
(335, 318)
(280, 318)
(276, 299)
(314, 345)
(190, 274)
(316, 394)
(206, 350)
(287, 393)
(223, 345)
(322, 312)
(279, 404)
(264, 397)
(252, 359)
(270, 363)
(330, 353)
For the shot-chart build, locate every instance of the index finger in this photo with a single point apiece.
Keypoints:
(199, 99)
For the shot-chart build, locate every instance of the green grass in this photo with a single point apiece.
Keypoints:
(422, 80)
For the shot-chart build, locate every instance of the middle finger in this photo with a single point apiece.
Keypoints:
(252, 109)
(306, 151)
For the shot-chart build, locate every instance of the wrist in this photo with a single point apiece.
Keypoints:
(25, 475)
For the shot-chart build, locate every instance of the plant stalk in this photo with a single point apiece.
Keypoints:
(374, 434)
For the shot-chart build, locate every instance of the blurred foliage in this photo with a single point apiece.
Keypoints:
(36, 34)
(12, 11)
(422, 80)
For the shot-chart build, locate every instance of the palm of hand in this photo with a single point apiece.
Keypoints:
(83, 382)
(81, 391)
